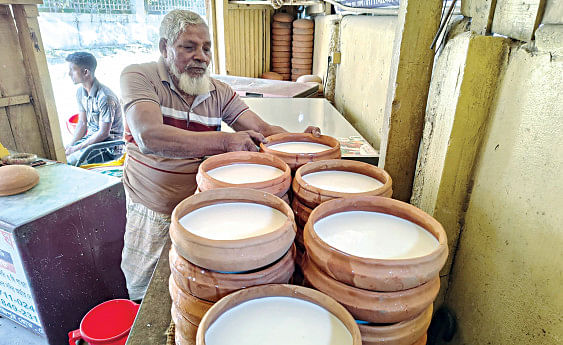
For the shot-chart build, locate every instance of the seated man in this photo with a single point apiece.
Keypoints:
(99, 115)
(173, 112)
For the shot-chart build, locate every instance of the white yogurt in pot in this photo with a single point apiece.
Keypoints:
(342, 181)
(277, 321)
(299, 147)
(240, 173)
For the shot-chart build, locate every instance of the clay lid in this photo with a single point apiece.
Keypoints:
(303, 24)
(283, 17)
(15, 179)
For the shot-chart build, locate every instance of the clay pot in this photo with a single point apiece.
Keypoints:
(302, 50)
(406, 332)
(286, 54)
(281, 25)
(15, 179)
(281, 64)
(271, 75)
(278, 31)
(295, 160)
(281, 49)
(189, 306)
(283, 39)
(303, 55)
(212, 286)
(302, 44)
(232, 255)
(298, 31)
(300, 61)
(312, 196)
(422, 340)
(303, 24)
(303, 38)
(373, 306)
(302, 214)
(185, 332)
(376, 274)
(284, 290)
(283, 17)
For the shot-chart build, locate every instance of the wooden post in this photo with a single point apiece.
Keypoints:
(409, 81)
(518, 19)
(39, 80)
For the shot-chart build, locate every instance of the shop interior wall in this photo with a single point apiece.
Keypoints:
(505, 286)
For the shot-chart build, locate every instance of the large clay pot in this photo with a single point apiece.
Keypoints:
(406, 332)
(373, 306)
(232, 255)
(185, 331)
(376, 274)
(189, 306)
(312, 196)
(277, 186)
(295, 160)
(212, 286)
(293, 291)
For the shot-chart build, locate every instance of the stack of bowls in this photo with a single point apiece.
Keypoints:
(302, 52)
(297, 149)
(224, 240)
(317, 182)
(242, 169)
(281, 44)
(314, 80)
(280, 314)
(380, 258)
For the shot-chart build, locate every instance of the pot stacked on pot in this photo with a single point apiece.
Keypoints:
(389, 291)
(302, 48)
(208, 261)
(281, 44)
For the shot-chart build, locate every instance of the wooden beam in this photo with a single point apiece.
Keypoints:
(14, 100)
(409, 80)
(518, 19)
(481, 13)
(39, 79)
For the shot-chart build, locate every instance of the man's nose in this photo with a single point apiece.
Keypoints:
(201, 56)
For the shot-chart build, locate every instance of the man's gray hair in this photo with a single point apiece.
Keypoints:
(174, 23)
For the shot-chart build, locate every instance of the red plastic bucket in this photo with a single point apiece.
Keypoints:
(108, 323)
(71, 123)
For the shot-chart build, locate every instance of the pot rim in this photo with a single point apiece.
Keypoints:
(304, 137)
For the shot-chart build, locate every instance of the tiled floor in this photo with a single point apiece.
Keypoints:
(13, 334)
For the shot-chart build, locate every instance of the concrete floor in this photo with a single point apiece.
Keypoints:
(12, 333)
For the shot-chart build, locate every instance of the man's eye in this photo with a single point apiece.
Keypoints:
(188, 47)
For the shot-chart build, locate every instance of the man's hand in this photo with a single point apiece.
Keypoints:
(315, 131)
(71, 149)
(243, 141)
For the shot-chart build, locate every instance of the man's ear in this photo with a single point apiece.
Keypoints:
(86, 72)
(162, 47)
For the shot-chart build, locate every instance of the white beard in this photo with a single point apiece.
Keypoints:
(191, 86)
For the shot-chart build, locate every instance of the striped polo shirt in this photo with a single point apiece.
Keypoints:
(151, 82)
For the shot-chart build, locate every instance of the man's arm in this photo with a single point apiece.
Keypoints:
(249, 120)
(153, 136)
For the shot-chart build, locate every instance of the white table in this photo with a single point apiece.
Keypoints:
(295, 114)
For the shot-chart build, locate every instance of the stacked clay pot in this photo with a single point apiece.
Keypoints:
(271, 76)
(392, 297)
(281, 44)
(314, 80)
(297, 159)
(278, 185)
(307, 196)
(302, 48)
(203, 270)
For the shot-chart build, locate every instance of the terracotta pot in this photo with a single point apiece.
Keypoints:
(312, 196)
(281, 25)
(281, 54)
(277, 186)
(302, 214)
(298, 31)
(422, 340)
(406, 332)
(376, 274)
(303, 24)
(212, 286)
(302, 44)
(15, 179)
(295, 160)
(303, 38)
(293, 291)
(189, 306)
(283, 17)
(232, 255)
(185, 331)
(373, 306)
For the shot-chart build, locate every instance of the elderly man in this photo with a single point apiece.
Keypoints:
(173, 111)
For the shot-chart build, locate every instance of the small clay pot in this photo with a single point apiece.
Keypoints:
(376, 274)
(373, 306)
(232, 255)
(279, 31)
(303, 24)
(184, 331)
(282, 70)
(284, 290)
(312, 196)
(422, 340)
(15, 179)
(281, 25)
(212, 286)
(303, 38)
(302, 55)
(295, 160)
(300, 71)
(281, 49)
(284, 40)
(281, 64)
(189, 306)
(300, 61)
(284, 54)
(302, 214)
(406, 332)
(302, 50)
(302, 44)
(298, 31)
